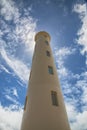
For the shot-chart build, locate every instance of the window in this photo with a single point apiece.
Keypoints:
(25, 103)
(47, 42)
(48, 53)
(30, 74)
(45, 35)
(54, 98)
(50, 69)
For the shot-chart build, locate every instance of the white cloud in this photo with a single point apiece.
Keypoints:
(9, 10)
(78, 120)
(5, 69)
(48, 2)
(86, 60)
(22, 34)
(1, 33)
(19, 83)
(20, 69)
(10, 91)
(64, 51)
(79, 88)
(81, 121)
(80, 8)
(71, 112)
(76, 91)
(19, 42)
(10, 120)
(82, 32)
(82, 83)
(25, 31)
(61, 55)
(15, 92)
(11, 99)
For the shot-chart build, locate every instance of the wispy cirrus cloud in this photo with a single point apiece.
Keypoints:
(17, 43)
(2, 67)
(11, 99)
(17, 38)
(17, 30)
(22, 29)
(11, 91)
(20, 69)
(15, 92)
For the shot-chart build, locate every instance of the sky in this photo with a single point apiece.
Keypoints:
(66, 22)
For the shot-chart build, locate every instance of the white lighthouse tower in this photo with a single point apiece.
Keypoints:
(44, 105)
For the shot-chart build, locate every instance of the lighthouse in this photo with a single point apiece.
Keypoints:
(44, 104)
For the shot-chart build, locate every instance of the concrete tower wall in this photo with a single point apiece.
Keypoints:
(41, 112)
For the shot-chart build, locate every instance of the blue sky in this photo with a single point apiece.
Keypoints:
(66, 22)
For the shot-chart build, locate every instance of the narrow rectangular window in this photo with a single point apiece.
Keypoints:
(46, 42)
(45, 36)
(30, 75)
(25, 103)
(54, 98)
(48, 53)
(50, 69)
